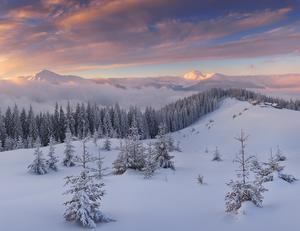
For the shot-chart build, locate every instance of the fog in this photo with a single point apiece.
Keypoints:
(42, 95)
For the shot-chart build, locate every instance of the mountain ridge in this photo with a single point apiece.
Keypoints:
(191, 81)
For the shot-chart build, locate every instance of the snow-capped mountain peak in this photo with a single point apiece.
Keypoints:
(51, 77)
(197, 75)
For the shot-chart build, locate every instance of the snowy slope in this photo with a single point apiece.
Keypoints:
(170, 200)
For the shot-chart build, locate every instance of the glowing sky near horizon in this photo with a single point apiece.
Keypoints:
(131, 38)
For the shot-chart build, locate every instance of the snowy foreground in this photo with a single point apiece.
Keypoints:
(171, 200)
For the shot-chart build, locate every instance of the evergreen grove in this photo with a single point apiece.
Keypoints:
(19, 128)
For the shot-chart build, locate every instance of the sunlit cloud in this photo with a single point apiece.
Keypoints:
(79, 35)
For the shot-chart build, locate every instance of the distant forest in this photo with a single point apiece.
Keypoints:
(19, 128)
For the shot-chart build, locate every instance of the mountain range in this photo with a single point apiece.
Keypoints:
(190, 81)
(45, 88)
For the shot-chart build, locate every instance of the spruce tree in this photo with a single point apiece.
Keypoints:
(216, 155)
(279, 155)
(99, 171)
(243, 189)
(150, 163)
(262, 173)
(120, 164)
(135, 149)
(162, 155)
(52, 159)
(171, 146)
(273, 163)
(86, 194)
(38, 166)
(69, 151)
(107, 144)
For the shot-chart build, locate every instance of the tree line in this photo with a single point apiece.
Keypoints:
(20, 128)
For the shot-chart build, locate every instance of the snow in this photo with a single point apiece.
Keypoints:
(171, 200)
(197, 75)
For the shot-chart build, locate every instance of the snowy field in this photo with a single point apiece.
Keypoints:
(171, 200)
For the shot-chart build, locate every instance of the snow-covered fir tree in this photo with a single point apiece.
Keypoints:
(86, 194)
(100, 131)
(38, 166)
(19, 143)
(69, 151)
(107, 144)
(151, 164)
(107, 125)
(171, 145)
(265, 171)
(242, 189)
(135, 149)
(131, 153)
(99, 170)
(279, 155)
(52, 158)
(287, 177)
(262, 172)
(120, 164)
(161, 148)
(200, 179)
(216, 155)
(273, 163)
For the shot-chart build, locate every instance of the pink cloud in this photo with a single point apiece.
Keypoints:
(64, 35)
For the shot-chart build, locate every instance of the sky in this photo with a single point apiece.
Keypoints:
(140, 38)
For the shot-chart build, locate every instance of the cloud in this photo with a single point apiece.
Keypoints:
(42, 95)
(81, 35)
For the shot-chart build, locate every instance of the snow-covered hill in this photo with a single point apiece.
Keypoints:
(171, 200)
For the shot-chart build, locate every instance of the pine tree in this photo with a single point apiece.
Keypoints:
(216, 155)
(107, 124)
(171, 146)
(62, 125)
(135, 149)
(286, 177)
(38, 166)
(9, 143)
(52, 159)
(150, 164)
(32, 128)
(242, 189)
(100, 131)
(120, 164)
(279, 155)
(107, 144)
(84, 205)
(2, 132)
(262, 173)
(273, 164)
(162, 155)
(69, 150)
(200, 179)
(18, 143)
(99, 171)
